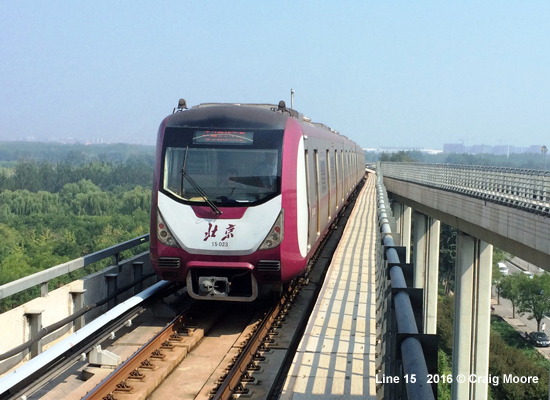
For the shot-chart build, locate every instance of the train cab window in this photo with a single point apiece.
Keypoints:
(230, 168)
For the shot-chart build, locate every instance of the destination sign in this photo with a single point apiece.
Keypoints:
(223, 137)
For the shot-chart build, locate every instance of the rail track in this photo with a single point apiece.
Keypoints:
(256, 363)
(240, 373)
(210, 350)
(141, 373)
(181, 346)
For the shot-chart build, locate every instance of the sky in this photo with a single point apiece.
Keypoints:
(396, 73)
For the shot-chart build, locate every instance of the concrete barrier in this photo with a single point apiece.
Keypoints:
(20, 323)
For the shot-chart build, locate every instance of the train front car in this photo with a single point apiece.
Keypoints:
(243, 195)
(217, 220)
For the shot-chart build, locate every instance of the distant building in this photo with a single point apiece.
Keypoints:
(398, 149)
(454, 148)
(487, 149)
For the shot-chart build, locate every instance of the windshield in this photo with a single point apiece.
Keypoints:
(230, 167)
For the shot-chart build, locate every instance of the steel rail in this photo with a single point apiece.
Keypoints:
(234, 377)
(140, 359)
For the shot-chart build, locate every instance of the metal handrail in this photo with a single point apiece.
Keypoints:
(412, 353)
(43, 277)
(525, 189)
(71, 318)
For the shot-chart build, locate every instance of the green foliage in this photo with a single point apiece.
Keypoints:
(45, 176)
(510, 288)
(53, 213)
(534, 297)
(447, 257)
(531, 161)
(444, 368)
(402, 156)
(74, 154)
(531, 296)
(445, 312)
(498, 256)
(509, 354)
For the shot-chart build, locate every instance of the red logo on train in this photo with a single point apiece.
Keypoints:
(213, 229)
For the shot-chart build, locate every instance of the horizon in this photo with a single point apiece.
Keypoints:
(473, 149)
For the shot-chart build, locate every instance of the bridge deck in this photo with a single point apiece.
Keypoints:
(336, 357)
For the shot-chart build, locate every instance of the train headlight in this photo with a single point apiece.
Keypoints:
(163, 233)
(276, 234)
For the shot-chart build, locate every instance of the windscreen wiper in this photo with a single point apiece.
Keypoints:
(182, 191)
(199, 190)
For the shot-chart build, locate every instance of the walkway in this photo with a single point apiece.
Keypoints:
(336, 357)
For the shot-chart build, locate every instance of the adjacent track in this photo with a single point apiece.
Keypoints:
(167, 345)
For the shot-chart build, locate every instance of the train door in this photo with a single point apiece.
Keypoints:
(329, 205)
(337, 173)
(350, 177)
(317, 189)
(308, 180)
(342, 183)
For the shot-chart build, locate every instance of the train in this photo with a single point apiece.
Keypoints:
(243, 195)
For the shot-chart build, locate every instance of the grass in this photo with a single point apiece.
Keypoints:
(513, 339)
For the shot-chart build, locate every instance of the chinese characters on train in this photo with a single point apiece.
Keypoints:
(213, 230)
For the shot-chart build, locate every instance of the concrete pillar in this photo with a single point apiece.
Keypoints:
(406, 232)
(43, 289)
(112, 287)
(420, 250)
(403, 218)
(78, 304)
(432, 277)
(462, 326)
(426, 266)
(34, 321)
(472, 316)
(137, 270)
(482, 323)
(397, 212)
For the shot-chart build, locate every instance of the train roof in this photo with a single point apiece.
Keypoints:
(237, 115)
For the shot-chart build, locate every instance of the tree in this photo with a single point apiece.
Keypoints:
(534, 297)
(400, 156)
(447, 257)
(510, 288)
(498, 256)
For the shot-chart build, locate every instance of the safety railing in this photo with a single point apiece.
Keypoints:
(42, 278)
(525, 189)
(41, 321)
(404, 350)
